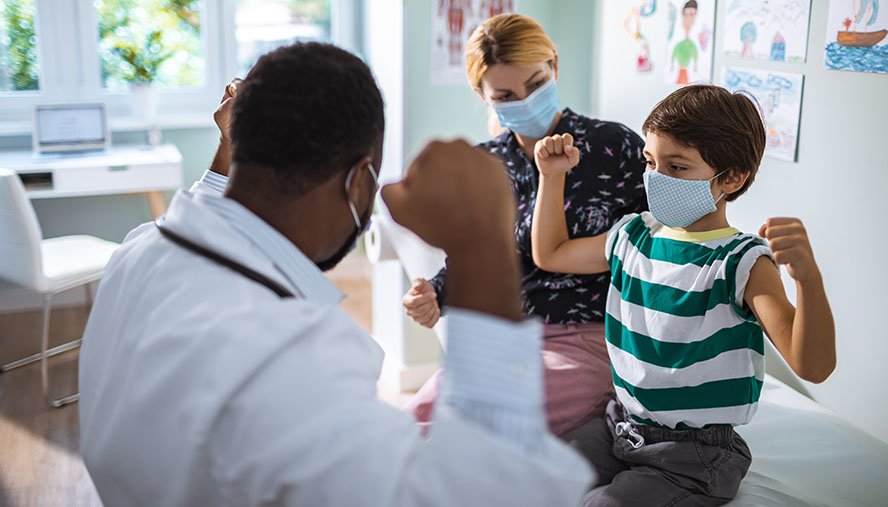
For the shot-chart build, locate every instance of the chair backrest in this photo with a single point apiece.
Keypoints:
(20, 234)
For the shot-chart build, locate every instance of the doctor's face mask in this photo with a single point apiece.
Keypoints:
(362, 223)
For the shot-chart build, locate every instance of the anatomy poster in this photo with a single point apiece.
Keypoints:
(452, 23)
(855, 36)
(779, 95)
(689, 41)
(773, 30)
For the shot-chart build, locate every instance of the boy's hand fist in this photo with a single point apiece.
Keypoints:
(556, 154)
(789, 242)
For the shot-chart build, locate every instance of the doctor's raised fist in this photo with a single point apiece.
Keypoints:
(454, 197)
(222, 116)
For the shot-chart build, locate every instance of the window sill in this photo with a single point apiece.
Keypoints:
(126, 124)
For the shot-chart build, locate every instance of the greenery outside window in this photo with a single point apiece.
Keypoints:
(69, 51)
(18, 47)
(150, 41)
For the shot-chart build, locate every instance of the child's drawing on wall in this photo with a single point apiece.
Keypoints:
(632, 25)
(689, 54)
(855, 36)
(779, 96)
(773, 30)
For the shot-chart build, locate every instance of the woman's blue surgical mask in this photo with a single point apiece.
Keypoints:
(675, 202)
(532, 116)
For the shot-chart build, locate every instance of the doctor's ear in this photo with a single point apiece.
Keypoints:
(361, 179)
(555, 66)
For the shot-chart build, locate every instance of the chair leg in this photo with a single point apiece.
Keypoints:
(33, 358)
(89, 300)
(44, 367)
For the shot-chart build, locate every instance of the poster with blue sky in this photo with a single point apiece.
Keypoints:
(774, 30)
(855, 36)
(779, 95)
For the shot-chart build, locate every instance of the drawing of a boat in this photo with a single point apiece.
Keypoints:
(861, 39)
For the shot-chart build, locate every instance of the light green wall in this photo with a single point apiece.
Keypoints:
(112, 216)
(448, 111)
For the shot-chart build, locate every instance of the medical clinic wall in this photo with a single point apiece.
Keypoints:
(837, 188)
(456, 111)
(450, 111)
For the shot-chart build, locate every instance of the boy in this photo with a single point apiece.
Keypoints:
(689, 299)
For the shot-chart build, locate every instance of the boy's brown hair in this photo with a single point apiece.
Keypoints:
(726, 128)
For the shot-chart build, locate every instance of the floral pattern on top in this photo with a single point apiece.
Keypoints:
(606, 185)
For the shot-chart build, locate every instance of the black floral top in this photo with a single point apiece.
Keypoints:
(604, 186)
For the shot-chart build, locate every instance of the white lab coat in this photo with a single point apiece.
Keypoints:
(201, 387)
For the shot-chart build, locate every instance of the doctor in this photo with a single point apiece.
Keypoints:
(218, 369)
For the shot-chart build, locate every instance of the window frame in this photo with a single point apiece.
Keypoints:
(69, 68)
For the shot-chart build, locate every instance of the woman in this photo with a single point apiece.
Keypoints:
(513, 66)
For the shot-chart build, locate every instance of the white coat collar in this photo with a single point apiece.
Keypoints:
(229, 229)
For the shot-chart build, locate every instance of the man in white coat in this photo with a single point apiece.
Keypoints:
(218, 368)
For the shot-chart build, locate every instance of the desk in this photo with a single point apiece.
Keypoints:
(143, 170)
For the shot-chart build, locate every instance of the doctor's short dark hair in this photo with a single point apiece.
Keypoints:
(304, 113)
(726, 128)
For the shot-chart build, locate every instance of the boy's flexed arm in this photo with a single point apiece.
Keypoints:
(550, 245)
(805, 336)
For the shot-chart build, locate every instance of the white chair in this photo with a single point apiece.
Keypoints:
(45, 266)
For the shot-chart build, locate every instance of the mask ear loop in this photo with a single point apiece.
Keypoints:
(348, 180)
(714, 177)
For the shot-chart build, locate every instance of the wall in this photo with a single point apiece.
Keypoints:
(840, 176)
(449, 111)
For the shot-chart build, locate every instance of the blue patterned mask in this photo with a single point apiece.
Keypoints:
(532, 116)
(675, 202)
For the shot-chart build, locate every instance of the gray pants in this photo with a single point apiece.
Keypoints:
(671, 468)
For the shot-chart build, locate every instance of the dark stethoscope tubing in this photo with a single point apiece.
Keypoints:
(257, 277)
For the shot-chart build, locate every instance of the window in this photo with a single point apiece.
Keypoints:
(263, 25)
(144, 41)
(54, 51)
(18, 47)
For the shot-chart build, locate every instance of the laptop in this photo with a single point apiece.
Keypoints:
(70, 129)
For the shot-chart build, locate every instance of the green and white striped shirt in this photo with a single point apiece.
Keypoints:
(684, 351)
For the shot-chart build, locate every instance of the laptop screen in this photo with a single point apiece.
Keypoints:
(79, 127)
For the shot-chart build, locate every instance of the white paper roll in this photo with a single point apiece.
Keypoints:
(378, 244)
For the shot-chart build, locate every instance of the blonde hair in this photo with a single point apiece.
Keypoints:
(507, 38)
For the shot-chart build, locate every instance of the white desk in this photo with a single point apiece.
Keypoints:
(122, 170)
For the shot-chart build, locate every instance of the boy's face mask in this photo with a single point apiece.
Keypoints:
(532, 116)
(675, 202)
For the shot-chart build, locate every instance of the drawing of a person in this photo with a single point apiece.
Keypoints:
(686, 50)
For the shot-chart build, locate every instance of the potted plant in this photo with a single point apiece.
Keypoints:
(143, 62)
(137, 38)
